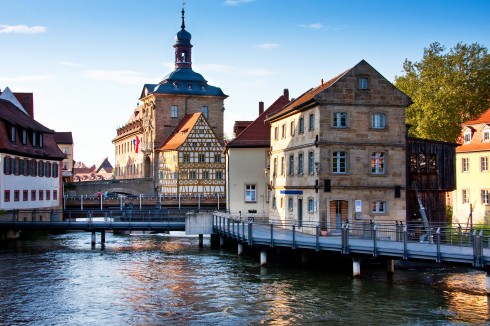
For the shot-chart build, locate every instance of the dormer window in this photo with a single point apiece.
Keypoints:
(24, 136)
(34, 139)
(40, 140)
(467, 136)
(12, 134)
(486, 136)
(363, 83)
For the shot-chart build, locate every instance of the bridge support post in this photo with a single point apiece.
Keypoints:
(93, 238)
(201, 241)
(356, 267)
(102, 236)
(240, 248)
(263, 258)
(390, 267)
(221, 241)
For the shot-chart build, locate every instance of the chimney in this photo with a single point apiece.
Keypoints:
(261, 107)
(286, 93)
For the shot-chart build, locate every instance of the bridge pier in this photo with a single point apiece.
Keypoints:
(356, 267)
(93, 238)
(201, 241)
(240, 248)
(390, 267)
(221, 241)
(263, 258)
(102, 236)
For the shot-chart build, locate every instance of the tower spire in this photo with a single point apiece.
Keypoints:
(183, 12)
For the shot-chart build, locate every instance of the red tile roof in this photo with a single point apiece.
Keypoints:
(476, 144)
(483, 118)
(181, 132)
(257, 134)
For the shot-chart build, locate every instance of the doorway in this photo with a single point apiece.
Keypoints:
(339, 210)
(300, 212)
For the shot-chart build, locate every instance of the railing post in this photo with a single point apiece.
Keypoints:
(272, 234)
(250, 234)
(243, 230)
(460, 233)
(438, 242)
(345, 239)
(374, 231)
(405, 242)
(317, 232)
(294, 236)
(477, 250)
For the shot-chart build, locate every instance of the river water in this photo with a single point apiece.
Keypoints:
(169, 280)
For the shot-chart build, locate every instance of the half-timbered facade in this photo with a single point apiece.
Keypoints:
(192, 161)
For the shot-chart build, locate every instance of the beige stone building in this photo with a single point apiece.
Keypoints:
(247, 158)
(64, 140)
(472, 174)
(338, 152)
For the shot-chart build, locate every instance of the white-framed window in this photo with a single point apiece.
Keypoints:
(340, 119)
(301, 125)
(465, 164)
(363, 83)
(378, 207)
(205, 175)
(377, 163)
(290, 204)
(292, 126)
(192, 175)
(217, 158)
(250, 193)
(186, 157)
(219, 175)
(274, 168)
(174, 111)
(283, 166)
(65, 150)
(300, 163)
(312, 122)
(378, 121)
(484, 163)
(283, 131)
(291, 164)
(276, 133)
(339, 162)
(484, 197)
(486, 135)
(311, 205)
(205, 111)
(201, 158)
(467, 136)
(465, 196)
(311, 163)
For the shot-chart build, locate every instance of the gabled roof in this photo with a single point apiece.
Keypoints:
(9, 96)
(181, 132)
(257, 134)
(63, 137)
(482, 118)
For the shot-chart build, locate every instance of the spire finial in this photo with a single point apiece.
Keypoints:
(183, 12)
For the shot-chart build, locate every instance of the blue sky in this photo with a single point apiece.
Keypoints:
(87, 61)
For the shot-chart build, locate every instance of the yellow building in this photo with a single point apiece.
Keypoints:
(64, 140)
(472, 175)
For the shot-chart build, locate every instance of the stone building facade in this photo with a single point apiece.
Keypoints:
(338, 152)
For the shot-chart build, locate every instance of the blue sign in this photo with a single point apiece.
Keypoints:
(291, 192)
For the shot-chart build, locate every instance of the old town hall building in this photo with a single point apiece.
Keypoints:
(162, 107)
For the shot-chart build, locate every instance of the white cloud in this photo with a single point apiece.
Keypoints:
(268, 46)
(237, 2)
(22, 29)
(314, 26)
(33, 78)
(127, 77)
(70, 64)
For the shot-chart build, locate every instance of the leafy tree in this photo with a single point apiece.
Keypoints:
(447, 89)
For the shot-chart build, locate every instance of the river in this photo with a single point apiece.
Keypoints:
(169, 280)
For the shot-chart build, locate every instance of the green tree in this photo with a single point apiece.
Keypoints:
(447, 89)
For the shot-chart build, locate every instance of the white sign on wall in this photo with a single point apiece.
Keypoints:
(358, 204)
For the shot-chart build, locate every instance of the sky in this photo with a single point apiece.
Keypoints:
(86, 61)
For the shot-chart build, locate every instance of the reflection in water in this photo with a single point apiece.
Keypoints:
(154, 280)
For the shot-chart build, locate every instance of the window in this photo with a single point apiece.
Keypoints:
(363, 83)
(484, 164)
(201, 158)
(217, 158)
(290, 204)
(174, 111)
(25, 195)
(55, 194)
(378, 121)
(273, 201)
(33, 195)
(41, 195)
(465, 196)
(34, 139)
(311, 163)
(484, 197)
(276, 133)
(486, 135)
(205, 111)
(282, 165)
(6, 196)
(292, 128)
(41, 140)
(311, 205)
(339, 162)
(6, 165)
(300, 163)
(283, 131)
(205, 175)
(378, 207)
(16, 195)
(377, 163)
(186, 158)
(301, 125)
(250, 194)
(24, 136)
(312, 122)
(274, 169)
(192, 175)
(291, 164)
(465, 163)
(340, 120)
(12, 134)
(22, 167)
(65, 150)
(219, 175)
(467, 136)
(48, 195)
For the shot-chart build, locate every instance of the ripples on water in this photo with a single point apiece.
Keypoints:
(162, 280)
